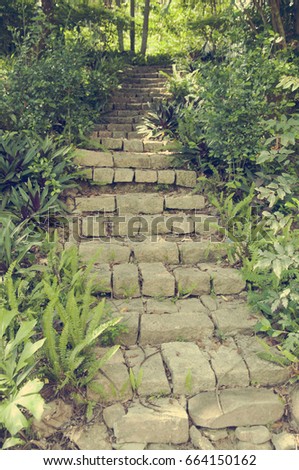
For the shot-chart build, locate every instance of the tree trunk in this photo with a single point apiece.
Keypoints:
(277, 21)
(132, 26)
(145, 27)
(120, 30)
(297, 17)
(48, 8)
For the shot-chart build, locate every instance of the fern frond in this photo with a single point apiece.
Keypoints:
(51, 335)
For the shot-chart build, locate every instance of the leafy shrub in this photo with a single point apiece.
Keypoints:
(60, 90)
(19, 391)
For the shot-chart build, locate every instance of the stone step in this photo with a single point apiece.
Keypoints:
(140, 203)
(188, 367)
(132, 106)
(135, 145)
(122, 160)
(148, 277)
(120, 135)
(144, 80)
(147, 70)
(172, 252)
(133, 88)
(111, 118)
(108, 176)
(151, 227)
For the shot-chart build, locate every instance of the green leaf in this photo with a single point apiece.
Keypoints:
(12, 442)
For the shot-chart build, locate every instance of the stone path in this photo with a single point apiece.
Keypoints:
(188, 374)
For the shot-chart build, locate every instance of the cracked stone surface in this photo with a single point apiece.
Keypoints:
(112, 383)
(164, 421)
(189, 367)
(153, 377)
(229, 366)
(226, 408)
(262, 372)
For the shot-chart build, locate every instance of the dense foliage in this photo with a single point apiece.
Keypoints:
(234, 112)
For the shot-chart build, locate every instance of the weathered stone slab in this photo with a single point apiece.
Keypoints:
(148, 363)
(103, 175)
(185, 202)
(113, 144)
(200, 252)
(154, 252)
(104, 252)
(157, 329)
(114, 384)
(229, 366)
(126, 281)
(186, 178)
(160, 307)
(135, 203)
(254, 434)
(131, 160)
(261, 371)
(192, 281)
(199, 441)
(93, 158)
(104, 203)
(102, 278)
(189, 367)
(166, 177)
(227, 281)
(134, 145)
(165, 423)
(285, 441)
(123, 175)
(245, 407)
(94, 437)
(113, 413)
(156, 280)
(232, 321)
(145, 176)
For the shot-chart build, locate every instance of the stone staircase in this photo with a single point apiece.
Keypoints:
(187, 374)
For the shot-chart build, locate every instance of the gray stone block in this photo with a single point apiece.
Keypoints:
(245, 407)
(156, 280)
(153, 252)
(139, 203)
(126, 281)
(192, 326)
(166, 422)
(103, 175)
(192, 281)
(104, 203)
(185, 202)
(189, 367)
